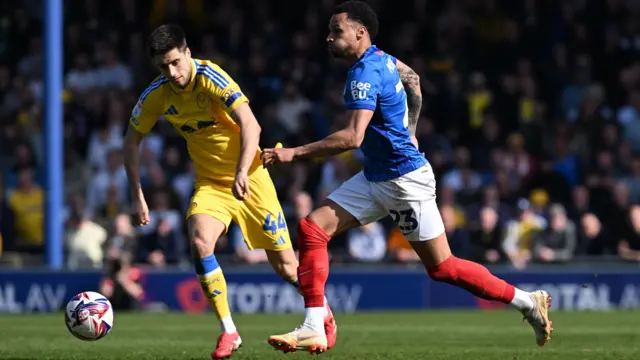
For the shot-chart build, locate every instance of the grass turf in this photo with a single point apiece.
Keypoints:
(472, 335)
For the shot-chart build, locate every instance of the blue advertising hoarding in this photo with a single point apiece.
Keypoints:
(347, 290)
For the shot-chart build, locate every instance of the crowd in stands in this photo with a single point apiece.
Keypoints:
(531, 121)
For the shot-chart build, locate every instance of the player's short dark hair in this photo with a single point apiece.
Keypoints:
(361, 12)
(166, 38)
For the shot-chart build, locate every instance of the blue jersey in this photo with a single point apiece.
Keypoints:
(373, 83)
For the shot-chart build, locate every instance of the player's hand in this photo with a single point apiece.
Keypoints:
(240, 187)
(277, 154)
(140, 212)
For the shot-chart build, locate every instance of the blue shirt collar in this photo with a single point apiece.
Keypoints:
(367, 52)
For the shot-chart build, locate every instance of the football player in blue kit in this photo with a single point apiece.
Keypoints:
(383, 101)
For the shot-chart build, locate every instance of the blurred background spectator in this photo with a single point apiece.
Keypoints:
(531, 120)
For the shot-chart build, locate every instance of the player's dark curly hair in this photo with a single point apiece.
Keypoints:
(166, 38)
(361, 12)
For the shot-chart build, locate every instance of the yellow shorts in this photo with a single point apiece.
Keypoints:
(260, 218)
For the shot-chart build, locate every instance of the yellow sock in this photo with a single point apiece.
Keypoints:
(214, 287)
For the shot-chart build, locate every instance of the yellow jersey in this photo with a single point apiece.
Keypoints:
(201, 113)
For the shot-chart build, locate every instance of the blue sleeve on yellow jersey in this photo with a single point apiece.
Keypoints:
(148, 109)
(223, 89)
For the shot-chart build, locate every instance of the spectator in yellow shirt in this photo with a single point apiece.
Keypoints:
(27, 201)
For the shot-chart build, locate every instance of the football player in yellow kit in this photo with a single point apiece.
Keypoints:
(210, 111)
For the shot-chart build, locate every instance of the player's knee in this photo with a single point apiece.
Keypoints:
(310, 235)
(200, 245)
(332, 218)
(320, 221)
(445, 271)
(204, 230)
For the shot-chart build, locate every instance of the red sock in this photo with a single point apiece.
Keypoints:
(474, 278)
(313, 270)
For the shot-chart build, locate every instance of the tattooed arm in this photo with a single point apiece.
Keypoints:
(411, 82)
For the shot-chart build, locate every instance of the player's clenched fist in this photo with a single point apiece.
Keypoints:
(240, 187)
(278, 154)
(140, 212)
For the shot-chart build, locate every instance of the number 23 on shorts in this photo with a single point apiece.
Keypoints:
(273, 225)
(405, 220)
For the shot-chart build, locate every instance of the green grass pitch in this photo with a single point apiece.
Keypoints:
(432, 335)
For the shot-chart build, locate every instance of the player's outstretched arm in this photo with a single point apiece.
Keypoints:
(249, 140)
(143, 118)
(340, 141)
(131, 148)
(411, 82)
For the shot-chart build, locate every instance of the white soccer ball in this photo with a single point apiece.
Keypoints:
(89, 316)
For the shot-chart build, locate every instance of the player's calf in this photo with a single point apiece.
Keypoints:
(214, 287)
(203, 229)
(285, 264)
(318, 332)
(313, 270)
(314, 233)
(472, 277)
(443, 266)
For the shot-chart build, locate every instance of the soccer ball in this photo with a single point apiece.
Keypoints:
(89, 316)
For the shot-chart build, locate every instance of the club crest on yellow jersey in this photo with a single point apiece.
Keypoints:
(203, 101)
